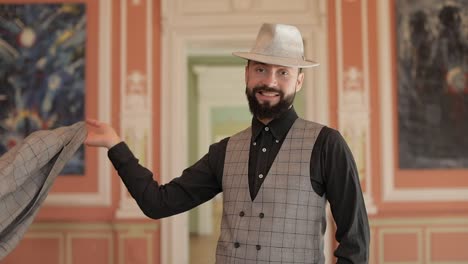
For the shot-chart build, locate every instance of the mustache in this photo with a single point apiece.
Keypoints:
(264, 88)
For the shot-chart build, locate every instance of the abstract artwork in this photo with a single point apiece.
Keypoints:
(42, 71)
(432, 77)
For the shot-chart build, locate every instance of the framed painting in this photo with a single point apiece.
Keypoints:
(423, 69)
(54, 69)
(42, 71)
(432, 77)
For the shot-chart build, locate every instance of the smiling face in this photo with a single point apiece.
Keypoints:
(271, 89)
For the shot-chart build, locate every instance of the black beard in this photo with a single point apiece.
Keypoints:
(265, 110)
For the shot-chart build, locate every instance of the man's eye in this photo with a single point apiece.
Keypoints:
(260, 70)
(284, 73)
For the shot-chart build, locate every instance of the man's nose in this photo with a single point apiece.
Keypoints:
(270, 80)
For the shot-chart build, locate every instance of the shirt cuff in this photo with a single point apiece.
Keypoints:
(120, 154)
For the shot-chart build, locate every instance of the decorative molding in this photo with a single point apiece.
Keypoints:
(194, 14)
(103, 195)
(403, 230)
(90, 235)
(136, 107)
(174, 145)
(149, 246)
(65, 232)
(422, 221)
(54, 235)
(390, 192)
(92, 226)
(443, 230)
(424, 227)
(354, 103)
(353, 80)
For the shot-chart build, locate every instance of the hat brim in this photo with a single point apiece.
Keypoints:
(288, 62)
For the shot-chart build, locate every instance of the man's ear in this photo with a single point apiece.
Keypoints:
(300, 81)
(246, 73)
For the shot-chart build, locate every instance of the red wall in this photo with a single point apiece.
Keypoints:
(96, 233)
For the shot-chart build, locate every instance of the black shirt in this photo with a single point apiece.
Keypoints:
(333, 173)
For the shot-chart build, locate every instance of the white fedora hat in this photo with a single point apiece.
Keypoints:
(278, 44)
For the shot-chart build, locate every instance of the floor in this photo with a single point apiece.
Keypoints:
(203, 247)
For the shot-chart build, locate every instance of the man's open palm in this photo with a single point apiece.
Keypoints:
(100, 134)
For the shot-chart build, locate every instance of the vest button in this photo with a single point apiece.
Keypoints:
(236, 245)
(258, 247)
(261, 215)
(241, 214)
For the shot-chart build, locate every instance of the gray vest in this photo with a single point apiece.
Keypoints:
(286, 221)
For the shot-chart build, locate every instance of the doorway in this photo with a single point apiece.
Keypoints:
(216, 30)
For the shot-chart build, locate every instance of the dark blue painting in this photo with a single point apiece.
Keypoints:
(42, 78)
(432, 62)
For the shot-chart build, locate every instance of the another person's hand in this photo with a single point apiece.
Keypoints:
(101, 134)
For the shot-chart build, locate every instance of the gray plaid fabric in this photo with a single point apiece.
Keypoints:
(27, 172)
(286, 221)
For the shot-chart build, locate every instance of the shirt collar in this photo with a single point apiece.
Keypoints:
(279, 127)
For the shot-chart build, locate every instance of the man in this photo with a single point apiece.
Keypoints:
(275, 176)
